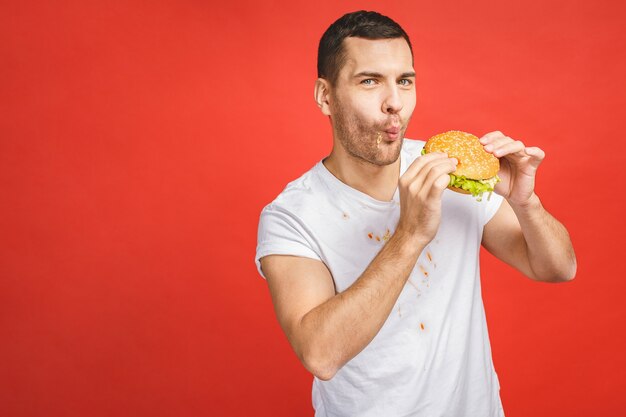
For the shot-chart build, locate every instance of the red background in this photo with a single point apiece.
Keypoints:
(139, 141)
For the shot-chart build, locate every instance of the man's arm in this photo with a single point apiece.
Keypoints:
(325, 329)
(532, 241)
(522, 233)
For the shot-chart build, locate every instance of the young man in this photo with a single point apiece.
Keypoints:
(372, 264)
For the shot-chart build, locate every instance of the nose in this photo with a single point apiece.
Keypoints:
(392, 102)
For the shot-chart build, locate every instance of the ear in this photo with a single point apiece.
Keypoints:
(322, 93)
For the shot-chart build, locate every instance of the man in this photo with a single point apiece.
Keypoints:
(372, 264)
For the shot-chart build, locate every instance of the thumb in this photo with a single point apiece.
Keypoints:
(536, 155)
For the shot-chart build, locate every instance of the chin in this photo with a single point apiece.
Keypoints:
(390, 155)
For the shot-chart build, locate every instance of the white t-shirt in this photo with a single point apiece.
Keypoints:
(432, 356)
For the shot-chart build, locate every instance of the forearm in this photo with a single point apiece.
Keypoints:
(337, 330)
(549, 249)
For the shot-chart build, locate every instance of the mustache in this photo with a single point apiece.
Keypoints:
(392, 122)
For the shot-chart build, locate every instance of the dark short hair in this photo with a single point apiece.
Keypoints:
(361, 24)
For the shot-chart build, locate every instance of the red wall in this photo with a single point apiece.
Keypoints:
(140, 140)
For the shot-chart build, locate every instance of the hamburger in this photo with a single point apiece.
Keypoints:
(476, 171)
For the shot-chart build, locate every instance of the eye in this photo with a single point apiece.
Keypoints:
(405, 82)
(368, 81)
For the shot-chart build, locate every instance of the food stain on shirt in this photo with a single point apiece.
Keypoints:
(345, 216)
(424, 271)
(429, 255)
(422, 326)
(378, 238)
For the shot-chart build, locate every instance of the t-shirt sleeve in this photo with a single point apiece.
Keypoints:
(282, 233)
(491, 206)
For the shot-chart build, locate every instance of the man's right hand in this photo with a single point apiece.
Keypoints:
(421, 188)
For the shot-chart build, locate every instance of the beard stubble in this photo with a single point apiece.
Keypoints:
(359, 139)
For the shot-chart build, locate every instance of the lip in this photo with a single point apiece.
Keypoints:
(393, 132)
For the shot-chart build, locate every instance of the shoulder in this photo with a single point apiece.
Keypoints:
(300, 195)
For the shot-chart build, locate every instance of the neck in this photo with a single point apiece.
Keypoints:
(378, 181)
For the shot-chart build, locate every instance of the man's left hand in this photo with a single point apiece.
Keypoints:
(518, 166)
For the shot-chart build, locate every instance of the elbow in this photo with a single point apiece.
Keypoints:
(316, 355)
(320, 366)
(559, 278)
(324, 375)
(564, 274)
(320, 369)
(570, 272)
(571, 268)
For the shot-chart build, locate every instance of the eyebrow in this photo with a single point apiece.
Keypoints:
(379, 75)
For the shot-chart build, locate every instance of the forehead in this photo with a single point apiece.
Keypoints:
(382, 55)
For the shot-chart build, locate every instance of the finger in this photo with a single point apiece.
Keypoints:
(494, 142)
(497, 142)
(436, 168)
(509, 148)
(438, 186)
(419, 163)
(435, 189)
(490, 137)
(424, 178)
(536, 155)
(438, 176)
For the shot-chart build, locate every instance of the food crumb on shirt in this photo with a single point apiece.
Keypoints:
(370, 235)
(424, 271)
(422, 326)
(346, 216)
